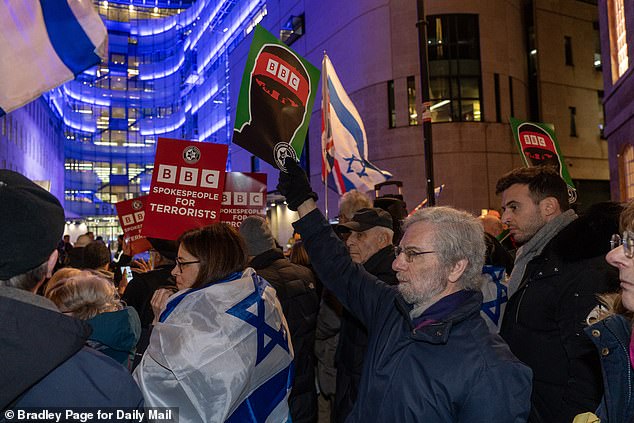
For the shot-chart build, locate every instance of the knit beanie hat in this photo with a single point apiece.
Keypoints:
(166, 248)
(31, 224)
(257, 235)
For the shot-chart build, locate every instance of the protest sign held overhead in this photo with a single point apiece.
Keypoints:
(276, 100)
(131, 216)
(538, 147)
(244, 195)
(187, 186)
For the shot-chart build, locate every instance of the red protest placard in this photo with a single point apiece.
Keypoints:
(186, 188)
(244, 195)
(131, 216)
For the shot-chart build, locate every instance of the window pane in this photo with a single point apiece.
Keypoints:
(469, 87)
(439, 88)
(454, 67)
(391, 105)
(411, 101)
(470, 111)
(441, 111)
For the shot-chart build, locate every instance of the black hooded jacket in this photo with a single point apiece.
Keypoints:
(544, 320)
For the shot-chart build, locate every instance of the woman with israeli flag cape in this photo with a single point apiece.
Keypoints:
(220, 349)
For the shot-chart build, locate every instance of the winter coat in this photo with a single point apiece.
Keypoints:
(611, 336)
(116, 334)
(353, 340)
(138, 294)
(450, 371)
(220, 353)
(46, 365)
(326, 341)
(295, 287)
(544, 320)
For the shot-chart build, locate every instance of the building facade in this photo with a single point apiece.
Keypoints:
(617, 41)
(535, 60)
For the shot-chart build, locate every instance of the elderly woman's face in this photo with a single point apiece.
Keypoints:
(618, 259)
(186, 269)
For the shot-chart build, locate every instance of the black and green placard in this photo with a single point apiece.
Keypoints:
(538, 147)
(276, 100)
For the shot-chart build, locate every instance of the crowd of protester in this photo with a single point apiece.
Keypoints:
(522, 316)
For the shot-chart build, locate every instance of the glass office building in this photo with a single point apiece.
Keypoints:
(166, 76)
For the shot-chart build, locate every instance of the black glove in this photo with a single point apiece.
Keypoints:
(294, 185)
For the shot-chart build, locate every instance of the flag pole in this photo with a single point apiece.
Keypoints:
(325, 124)
(421, 23)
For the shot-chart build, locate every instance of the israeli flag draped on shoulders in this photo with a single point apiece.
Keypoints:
(223, 354)
(44, 43)
(343, 139)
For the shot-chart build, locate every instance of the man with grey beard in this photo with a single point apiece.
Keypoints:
(430, 356)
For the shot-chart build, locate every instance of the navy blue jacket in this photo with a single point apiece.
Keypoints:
(611, 336)
(45, 363)
(353, 341)
(451, 371)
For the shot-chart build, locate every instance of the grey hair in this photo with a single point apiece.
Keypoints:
(28, 280)
(85, 295)
(458, 235)
(351, 202)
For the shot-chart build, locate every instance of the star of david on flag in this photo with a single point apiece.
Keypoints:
(495, 293)
(243, 311)
(344, 144)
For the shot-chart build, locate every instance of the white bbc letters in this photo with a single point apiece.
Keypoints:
(209, 178)
(188, 176)
(167, 174)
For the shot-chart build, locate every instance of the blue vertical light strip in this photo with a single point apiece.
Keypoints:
(228, 128)
(68, 37)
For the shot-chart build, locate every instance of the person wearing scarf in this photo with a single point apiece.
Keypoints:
(559, 271)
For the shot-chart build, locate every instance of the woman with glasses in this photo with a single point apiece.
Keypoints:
(220, 348)
(611, 330)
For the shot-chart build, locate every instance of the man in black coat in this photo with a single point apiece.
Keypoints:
(559, 270)
(295, 287)
(370, 244)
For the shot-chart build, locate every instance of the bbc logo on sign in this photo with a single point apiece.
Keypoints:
(283, 73)
(131, 219)
(188, 176)
(255, 199)
(534, 140)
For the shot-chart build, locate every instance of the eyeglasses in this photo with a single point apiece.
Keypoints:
(626, 240)
(180, 264)
(409, 254)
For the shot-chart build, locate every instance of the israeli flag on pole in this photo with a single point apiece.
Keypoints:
(44, 43)
(343, 139)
